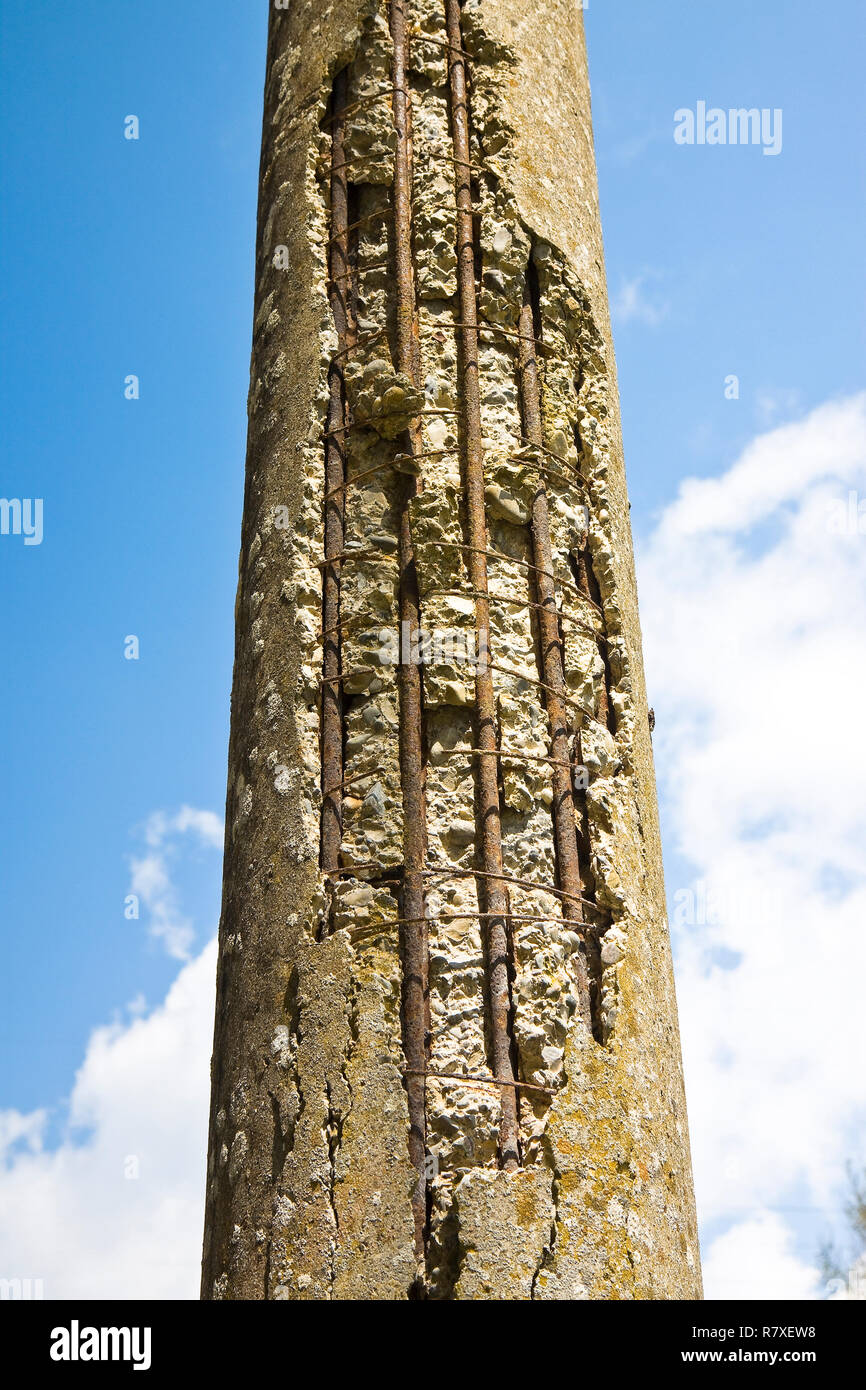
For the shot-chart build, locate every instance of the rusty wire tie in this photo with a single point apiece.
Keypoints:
(345, 429)
(490, 445)
(360, 105)
(355, 777)
(501, 598)
(357, 478)
(464, 163)
(372, 621)
(380, 468)
(372, 930)
(573, 480)
(376, 770)
(518, 603)
(380, 622)
(385, 214)
(524, 564)
(436, 154)
(372, 156)
(502, 753)
(481, 1080)
(359, 554)
(493, 666)
(484, 326)
(357, 159)
(454, 593)
(422, 200)
(518, 883)
(361, 222)
(544, 450)
(455, 871)
(440, 43)
(357, 270)
(361, 341)
(531, 680)
(364, 929)
(353, 618)
(350, 675)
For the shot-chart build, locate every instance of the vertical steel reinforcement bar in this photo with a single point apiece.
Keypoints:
(552, 664)
(588, 585)
(336, 443)
(493, 890)
(414, 944)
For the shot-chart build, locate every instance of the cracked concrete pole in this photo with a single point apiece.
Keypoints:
(446, 1057)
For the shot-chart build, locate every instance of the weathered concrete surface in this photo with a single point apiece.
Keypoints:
(309, 1180)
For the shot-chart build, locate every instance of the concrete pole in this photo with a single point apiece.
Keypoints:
(446, 1057)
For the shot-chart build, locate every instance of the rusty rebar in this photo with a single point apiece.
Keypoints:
(552, 665)
(335, 474)
(416, 1002)
(589, 588)
(585, 575)
(494, 891)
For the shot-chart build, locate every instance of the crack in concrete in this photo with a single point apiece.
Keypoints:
(340, 1203)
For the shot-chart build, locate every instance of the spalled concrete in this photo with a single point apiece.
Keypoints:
(309, 1179)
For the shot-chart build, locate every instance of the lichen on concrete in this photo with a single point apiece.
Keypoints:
(309, 1178)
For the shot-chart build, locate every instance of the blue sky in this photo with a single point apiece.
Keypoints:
(136, 257)
(124, 257)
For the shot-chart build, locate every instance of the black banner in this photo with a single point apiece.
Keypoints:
(81, 1339)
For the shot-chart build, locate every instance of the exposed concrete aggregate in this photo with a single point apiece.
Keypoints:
(309, 1179)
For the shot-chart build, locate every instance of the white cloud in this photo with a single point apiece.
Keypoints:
(151, 880)
(21, 1131)
(115, 1209)
(77, 1216)
(786, 465)
(634, 146)
(754, 1260)
(772, 403)
(634, 304)
(754, 615)
(205, 824)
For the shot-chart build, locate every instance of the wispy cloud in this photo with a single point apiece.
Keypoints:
(772, 405)
(631, 148)
(150, 880)
(636, 302)
(21, 1132)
